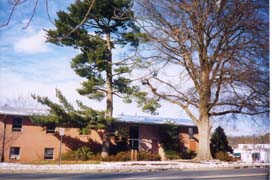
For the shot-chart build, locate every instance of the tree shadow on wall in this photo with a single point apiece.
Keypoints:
(74, 143)
(120, 145)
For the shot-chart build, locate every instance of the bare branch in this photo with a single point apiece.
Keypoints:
(217, 46)
(237, 112)
(184, 107)
(82, 21)
(47, 12)
(33, 13)
(16, 3)
(122, 14)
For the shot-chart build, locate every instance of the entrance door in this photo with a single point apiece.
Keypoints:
(134, 137)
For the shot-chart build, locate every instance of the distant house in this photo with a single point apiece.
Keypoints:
(23, 141)
(253, 152)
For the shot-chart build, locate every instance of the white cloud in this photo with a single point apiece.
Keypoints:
(21, 86)
(32, 44)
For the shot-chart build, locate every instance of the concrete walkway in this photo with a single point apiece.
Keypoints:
(127, 166)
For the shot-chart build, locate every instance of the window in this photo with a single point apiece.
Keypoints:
(255, 156)
(49, 153)
(14, 153)
(237, 155)
(191, 133)
(17, 124)
(50, 128)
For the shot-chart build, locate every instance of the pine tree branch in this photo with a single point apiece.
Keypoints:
(81, 23)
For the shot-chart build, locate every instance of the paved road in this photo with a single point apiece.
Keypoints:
(226, 174)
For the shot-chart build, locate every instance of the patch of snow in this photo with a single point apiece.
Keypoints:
(126, 166)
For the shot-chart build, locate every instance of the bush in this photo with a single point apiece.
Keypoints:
(121, 156)
(69, 156)
(84, 153)
(96, 157)
(187, 154)
(120, 146)
(169, 135)
(223, 156)
(219, 142)
(170, 155)
(146, 156)
(125, 156)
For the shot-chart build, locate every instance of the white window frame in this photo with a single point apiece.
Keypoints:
(45, 157)
(50, 131)
(16, 129)
(14, 156)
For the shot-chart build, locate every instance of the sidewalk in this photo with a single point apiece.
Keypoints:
(133, 166)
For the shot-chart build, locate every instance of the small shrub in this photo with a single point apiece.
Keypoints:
(187, 154)
(170, 155)
(147, 156)
(121, 156)
(96, 157)
(69, 156)
(84, 153)
(169, 135)
(223, 156)
(120, 146)
(125, 156)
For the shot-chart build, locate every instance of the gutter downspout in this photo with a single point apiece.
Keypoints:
(4, 139)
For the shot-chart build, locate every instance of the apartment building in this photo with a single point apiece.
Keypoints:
(23, 141)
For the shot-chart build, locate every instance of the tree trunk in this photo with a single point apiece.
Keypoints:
(109, 108)
(204, 152)
(204, 130)
(109, 101)
(105, 144)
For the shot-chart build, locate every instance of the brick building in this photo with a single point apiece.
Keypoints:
(23, 141)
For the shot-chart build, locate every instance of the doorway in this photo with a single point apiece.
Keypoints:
(134, 137)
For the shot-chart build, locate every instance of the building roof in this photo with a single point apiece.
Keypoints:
(20, 111)
(8, 110)
(154, 120)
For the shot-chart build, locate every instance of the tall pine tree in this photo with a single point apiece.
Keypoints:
(108, 24)
(219, 142)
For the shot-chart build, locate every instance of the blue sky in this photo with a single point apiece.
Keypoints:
(30, 65)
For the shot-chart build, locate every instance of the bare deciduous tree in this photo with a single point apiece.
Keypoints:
(16, 3)
(216, 53)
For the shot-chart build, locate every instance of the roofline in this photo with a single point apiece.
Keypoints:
(157, 120)
(118, 118)
(150, 123)
(17, 113)
(14, 113)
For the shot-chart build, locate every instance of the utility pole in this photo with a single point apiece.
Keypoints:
(254, 154)
(61, 133)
